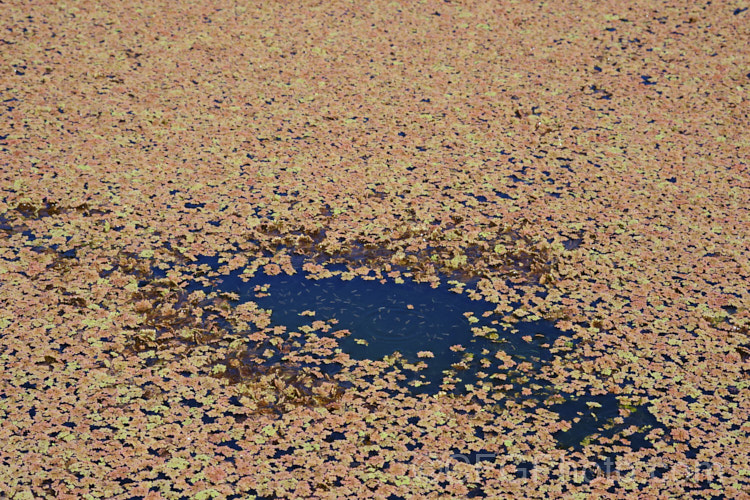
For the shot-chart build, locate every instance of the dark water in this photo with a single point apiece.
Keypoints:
(598, 415)
(409, 317)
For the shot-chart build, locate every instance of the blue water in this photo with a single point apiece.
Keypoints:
(409, 317)
(388, 317)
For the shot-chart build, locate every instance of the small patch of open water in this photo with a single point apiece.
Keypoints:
(464, 336)
(409, 318)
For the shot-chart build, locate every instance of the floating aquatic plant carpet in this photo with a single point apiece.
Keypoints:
(374, 249)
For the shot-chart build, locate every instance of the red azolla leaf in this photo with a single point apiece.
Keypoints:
(214, 473)
(272, 269)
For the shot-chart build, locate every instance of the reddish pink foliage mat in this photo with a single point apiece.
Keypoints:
(589, 161)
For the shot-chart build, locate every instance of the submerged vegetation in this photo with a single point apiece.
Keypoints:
(220, 224)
